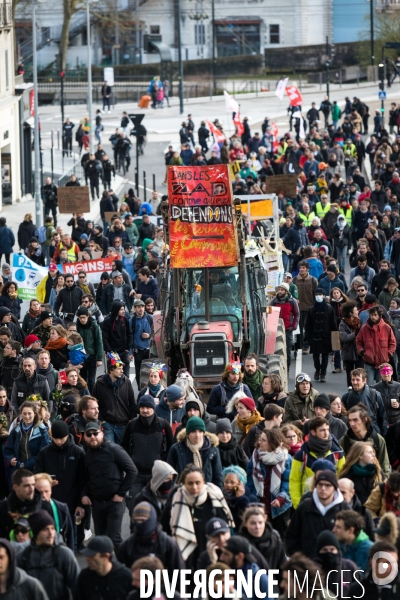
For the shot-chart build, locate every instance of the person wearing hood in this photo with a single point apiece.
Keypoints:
(117, 334)
(194, 407)
(116, 400)
(390, 392)
(321, 509)
(319, 445)
(171, 406)
(322, 408)
(7, 320)
(320, 323)
(105, 577)
(128, 260)
(232, 382)
(64, 460)
(142, 256)
(354, 542)
(61, 573)
(236, 492)
(290, 314)
(147, 438)
(361, 429)
(329, 557)
(148, 538)
(342, 241)
(315, 266)
(299, 405)
(156, 491)
(15, 584)
(196, 446)
(388, 529)
(118, 291)
(376, 344)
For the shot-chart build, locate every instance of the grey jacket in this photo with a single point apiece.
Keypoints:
(348, 339)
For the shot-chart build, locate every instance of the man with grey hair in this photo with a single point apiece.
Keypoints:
(346, 486)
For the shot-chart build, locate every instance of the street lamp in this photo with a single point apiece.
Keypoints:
(38, 198)
(89, 75)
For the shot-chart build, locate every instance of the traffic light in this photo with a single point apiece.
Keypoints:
(381, 76)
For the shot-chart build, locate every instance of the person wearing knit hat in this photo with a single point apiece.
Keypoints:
(172, 406)
(229, 450)
(320, 509)
(322, 408)
(32, 340)
(247, 418)
(61, 572)
(320, 444)
(323, 465)
(82, 310)
(236, 493)
(196, 446)
(328, 556)
(194, 407)
(319, 325)
(147, 438)
(59, 430)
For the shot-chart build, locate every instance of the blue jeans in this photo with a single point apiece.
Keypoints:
(337, 360)
(113, 433)
(372, 374)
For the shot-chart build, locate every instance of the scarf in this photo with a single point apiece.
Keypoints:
(154, 389)
(195, 449)
(319, 447)
(276, 460)
(366, 471)
(253, 381)
(182, 511)
(34, 313)
(354, 323)
(392, 504)
(56, 344)
(244, 425)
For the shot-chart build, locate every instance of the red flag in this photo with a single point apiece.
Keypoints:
(238, 123)
(294, 95)
(218, 135)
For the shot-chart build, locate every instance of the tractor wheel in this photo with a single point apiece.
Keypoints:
(277, 362)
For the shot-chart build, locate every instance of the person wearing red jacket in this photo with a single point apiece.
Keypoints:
(375, 343)
(289, 313)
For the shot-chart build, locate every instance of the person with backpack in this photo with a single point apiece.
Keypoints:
(362, 393)
(141, 326)
(231, 383)
(61, 573)
(147, 438)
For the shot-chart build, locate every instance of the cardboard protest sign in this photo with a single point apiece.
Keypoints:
(285, 183)
(73, 199)
(201, 220)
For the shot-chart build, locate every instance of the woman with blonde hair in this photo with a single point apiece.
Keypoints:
(293, 437)
(258, 530)
(26, 231)
(363, 468)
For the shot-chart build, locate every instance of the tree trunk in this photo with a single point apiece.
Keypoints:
(64, 38)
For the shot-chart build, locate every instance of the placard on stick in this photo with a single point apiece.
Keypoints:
(286, 183)
(73, 199)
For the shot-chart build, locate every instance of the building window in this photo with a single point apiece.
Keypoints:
(155, 29)
(7, 73)
(199, 34)
(274, 34)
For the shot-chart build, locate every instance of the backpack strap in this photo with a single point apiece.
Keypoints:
(223, 395)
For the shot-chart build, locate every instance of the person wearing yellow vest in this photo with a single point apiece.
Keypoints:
(71, 247)
(306, 214)
(350, 146)
(346, 210)
(323, 206)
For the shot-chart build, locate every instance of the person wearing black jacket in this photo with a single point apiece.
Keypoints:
(29, 383)
(116, 400)
(18, 585)
(93, 171)
(203, 135)
(117, 333)
(10, 366)
(22, 500)
(229, 450)
(106, 94)
(68, 127)
(106, 578)
(148, 539)
(50, 199)
(70, 298)
(147, 438)
(63, 459)
(78, 224)
(99, 238)
(109, 475)
(380, 279)
(108, 171)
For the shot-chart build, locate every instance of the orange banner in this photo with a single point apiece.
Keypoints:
(201, 223)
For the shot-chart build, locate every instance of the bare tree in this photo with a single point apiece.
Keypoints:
(70, 7)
